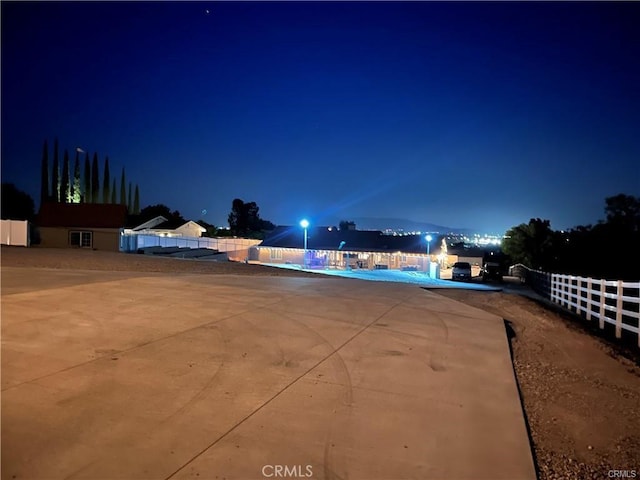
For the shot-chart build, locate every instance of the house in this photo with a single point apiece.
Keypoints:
(328, 247)
(169, 228)
(471, 254)
(81, 225)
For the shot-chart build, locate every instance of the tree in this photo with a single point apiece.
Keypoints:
(86, 198)
(16, 204)
(136, 202)
(238, 221)
(76, 192)
(106, 184)
(64, 181)
(113, 192)
(347, 225)
(530, 244)
(623, 211)
(621, 233)
(123, 194)
(212, 231)
(55, 180)
(129, 205)
(44, 175)
(244, 220)
(266, 225)
(606, 250)
(95, 180)
(152, 211)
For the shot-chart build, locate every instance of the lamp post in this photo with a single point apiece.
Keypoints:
(304, 223)
(428, 238)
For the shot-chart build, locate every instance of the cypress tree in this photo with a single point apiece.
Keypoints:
(75, 186)
(136, 202)
(55, 180)
(113, 192)
(107, 183)
(72, 182)
(44, 175)
(129, 205)
(123, 193)
(64, 181)
(95, 180)
(87, 180)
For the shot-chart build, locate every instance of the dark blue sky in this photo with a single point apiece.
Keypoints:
(477, 115)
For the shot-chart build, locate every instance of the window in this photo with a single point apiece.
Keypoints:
(81, 239)
(275, 253)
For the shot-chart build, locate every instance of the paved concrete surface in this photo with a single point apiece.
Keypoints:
(395, 276)
(136, 376)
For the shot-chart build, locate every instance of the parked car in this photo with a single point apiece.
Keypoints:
(461, 271)
(491, 271)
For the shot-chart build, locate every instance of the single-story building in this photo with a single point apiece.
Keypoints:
(471, 254)
(81, 225)
(168, 228)
(328, 247)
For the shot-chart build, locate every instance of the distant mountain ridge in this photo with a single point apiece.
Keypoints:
(369, 223)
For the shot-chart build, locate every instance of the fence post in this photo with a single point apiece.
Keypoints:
(589, 298)
(603, 289)
(619, 310)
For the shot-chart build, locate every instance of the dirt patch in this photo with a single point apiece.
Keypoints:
(580, 394)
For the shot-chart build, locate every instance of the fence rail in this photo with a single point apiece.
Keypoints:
(136, 241)
(609, 301)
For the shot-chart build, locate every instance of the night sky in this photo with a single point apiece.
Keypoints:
(478, 115)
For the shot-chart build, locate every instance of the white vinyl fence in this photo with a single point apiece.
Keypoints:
(609, 301)
(133, 242)
(15, 232)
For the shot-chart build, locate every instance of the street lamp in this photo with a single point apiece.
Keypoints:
(428, 238)
(304, 223)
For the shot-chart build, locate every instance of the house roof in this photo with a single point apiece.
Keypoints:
(168, 225)
(323, 238)
(191, 223)
(82, 215)
(150, 223)
(175, 225)
(466, 251)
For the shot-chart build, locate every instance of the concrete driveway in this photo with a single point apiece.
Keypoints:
(111, 375)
